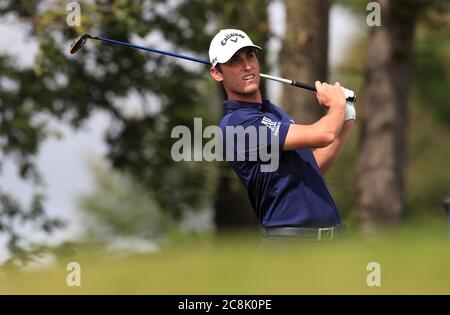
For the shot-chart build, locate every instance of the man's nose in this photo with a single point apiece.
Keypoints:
(246, 64)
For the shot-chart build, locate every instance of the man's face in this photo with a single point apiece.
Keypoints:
(240, 75)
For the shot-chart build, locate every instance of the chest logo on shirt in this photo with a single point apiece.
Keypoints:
(273, 125)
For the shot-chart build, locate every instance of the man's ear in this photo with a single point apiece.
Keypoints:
(216, 74)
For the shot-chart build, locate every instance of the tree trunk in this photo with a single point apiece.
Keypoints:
(233, 208)
(304, 56)
(383, 116)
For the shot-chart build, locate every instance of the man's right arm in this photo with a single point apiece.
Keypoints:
(325, 130)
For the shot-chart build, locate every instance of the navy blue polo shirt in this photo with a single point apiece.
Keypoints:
(295, 193)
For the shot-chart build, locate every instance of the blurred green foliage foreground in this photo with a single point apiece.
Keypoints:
(413, 261)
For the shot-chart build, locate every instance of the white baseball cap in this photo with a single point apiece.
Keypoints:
(226, 43)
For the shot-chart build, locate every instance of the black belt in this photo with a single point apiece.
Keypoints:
(320, 234)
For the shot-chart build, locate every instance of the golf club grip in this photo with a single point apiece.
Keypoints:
(303, 85)
(351, 98)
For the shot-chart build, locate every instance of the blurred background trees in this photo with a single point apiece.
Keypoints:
(71, 88)
(384, 115)
(304, 56)
(385, 112)
(121, 206)
(394, 167)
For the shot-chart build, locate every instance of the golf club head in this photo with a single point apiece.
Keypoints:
(78, 43)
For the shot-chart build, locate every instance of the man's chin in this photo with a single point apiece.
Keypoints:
(248, 92)
(251, 88)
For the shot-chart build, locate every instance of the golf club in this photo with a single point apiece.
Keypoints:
(80, 41)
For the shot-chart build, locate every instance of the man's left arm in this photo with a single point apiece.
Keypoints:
(326, 156)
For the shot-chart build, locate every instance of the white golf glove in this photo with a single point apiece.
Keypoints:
(350, 111)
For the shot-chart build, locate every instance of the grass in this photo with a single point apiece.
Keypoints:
(413, 261)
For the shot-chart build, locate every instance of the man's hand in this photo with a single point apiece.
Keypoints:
(330, 95)
(323, 132)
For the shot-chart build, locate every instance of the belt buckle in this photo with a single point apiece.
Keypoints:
(325, 234)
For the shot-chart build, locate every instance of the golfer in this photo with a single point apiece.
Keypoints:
(291, 202)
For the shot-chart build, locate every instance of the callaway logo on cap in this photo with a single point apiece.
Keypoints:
(226, 43)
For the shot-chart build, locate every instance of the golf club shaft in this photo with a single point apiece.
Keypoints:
(266, 76)
(150, 49)
(287, 81)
